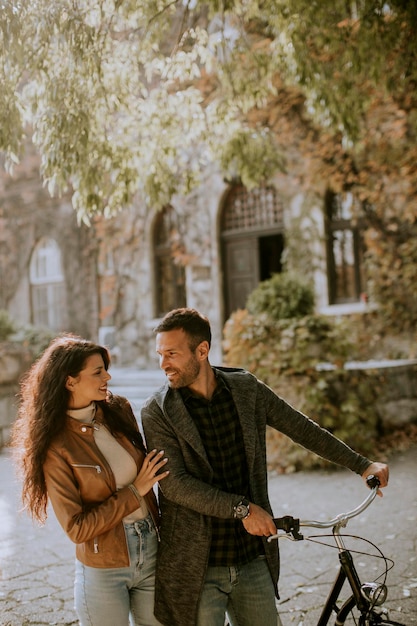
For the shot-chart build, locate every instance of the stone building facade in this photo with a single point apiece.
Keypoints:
(113, 280)
(47, 261)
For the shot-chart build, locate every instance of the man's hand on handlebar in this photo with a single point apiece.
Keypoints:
(381, 471)
(259, 522)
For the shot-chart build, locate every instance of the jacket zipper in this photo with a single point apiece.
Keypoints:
(96, 467)
(98, 470)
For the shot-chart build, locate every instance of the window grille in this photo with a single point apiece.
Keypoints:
(257, 209)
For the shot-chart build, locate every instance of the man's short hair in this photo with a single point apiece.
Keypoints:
(191, 321)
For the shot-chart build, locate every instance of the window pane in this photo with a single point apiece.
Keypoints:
(45, 264)
(56, 299)
(40, 305)
(169, 275)
(171, 292)
(344, 249)
(48, 286)
(48, 306)
(344, 259)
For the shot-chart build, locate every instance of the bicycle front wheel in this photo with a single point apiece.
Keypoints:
(345, 615)
(350, 615)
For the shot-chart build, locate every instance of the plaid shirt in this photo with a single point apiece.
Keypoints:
(219, 427)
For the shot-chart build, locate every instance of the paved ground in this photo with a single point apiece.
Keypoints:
(36, 564)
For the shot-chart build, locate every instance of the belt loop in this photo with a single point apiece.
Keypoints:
(142, 524)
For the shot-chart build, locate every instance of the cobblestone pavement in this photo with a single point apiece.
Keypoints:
(307, 569)
(36, 564)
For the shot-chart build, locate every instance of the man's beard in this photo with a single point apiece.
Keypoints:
(186, 377)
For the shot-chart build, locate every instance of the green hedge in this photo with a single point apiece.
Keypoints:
(33, 338)
(282, 296)
(302, 360)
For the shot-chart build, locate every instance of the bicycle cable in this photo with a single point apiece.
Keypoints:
(389, 563)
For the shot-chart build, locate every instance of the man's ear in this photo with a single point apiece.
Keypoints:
(203, 350)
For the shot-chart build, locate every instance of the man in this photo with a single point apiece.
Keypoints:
(211, 421)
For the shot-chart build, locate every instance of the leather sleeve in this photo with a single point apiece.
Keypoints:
(83, 520)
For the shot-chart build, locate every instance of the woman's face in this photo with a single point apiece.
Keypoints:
(90, 384)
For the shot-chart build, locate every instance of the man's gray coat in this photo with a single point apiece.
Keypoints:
(187, 498)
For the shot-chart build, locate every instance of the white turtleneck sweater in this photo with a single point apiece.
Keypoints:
(122, 464)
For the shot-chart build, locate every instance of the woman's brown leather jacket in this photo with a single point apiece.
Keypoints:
(82, 490)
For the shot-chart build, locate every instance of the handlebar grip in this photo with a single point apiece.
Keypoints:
(285, 523)
(372, 481)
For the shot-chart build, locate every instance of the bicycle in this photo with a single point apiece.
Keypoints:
(364, 607)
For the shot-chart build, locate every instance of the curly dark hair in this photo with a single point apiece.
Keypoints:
(44, 401)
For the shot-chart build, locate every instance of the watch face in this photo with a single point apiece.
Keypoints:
(241, 511)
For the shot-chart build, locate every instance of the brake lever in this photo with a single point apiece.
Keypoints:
(290, 525)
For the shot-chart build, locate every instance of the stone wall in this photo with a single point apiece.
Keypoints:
(397, 380)
(14, 361)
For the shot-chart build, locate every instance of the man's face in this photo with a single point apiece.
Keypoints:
(180, 364)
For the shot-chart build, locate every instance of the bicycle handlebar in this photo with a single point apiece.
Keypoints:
(291, 525)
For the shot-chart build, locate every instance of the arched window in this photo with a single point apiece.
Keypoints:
(346, 280)
(47, 285)
(169, 269)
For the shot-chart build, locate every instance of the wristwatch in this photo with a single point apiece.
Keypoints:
(241, 510)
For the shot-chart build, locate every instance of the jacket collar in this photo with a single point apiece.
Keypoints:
(243, 387)
(77, 426)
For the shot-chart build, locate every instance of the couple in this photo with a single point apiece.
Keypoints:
(205, 429)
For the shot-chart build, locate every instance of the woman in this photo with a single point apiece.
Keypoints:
(80, 447)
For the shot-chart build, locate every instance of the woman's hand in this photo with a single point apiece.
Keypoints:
(148, 474)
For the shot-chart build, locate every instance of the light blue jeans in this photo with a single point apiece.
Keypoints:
(124, 595)
(245, 592)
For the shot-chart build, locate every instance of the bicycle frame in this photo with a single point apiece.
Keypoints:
(365, 596)
(347, 572)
